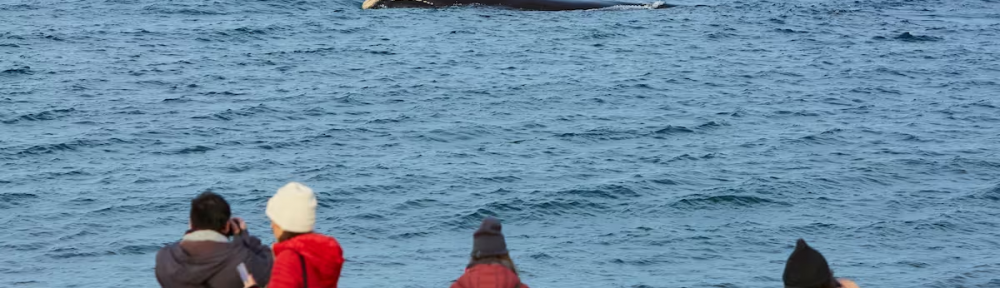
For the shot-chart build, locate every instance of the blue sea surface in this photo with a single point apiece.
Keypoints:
(682, 147)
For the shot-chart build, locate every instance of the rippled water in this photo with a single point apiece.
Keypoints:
(684, 147)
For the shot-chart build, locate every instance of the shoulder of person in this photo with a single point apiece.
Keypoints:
(165, 250)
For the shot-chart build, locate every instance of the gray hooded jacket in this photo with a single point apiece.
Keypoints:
(211, 262)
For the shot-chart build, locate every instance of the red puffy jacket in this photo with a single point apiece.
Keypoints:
(488, 276)
(323, 259)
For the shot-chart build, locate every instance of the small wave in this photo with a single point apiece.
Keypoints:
(541, 256)
(75, 145)
(648, 261)
(814, 228)
(369, 231)
(605, 192)
(818, 139)
(461, 133)
(907, 37)
(602, 134)
(374, 190)
(570, 207)
(720, 35)
(223, 93)
(969, 279)
(379, 52)
(248, 30)
(174, 100)
(596, 34)
(796, 113)
(984, 103)
(280, 145)
(409, 235)
(19, 7)
(353, 30)
(700, 201)
(992, 194)
(324, 168)
(552, 207)
(664, 181)
(71, 252)
(42, 116)
(23, 70)
(23, 247)
(231, 114)
(682, 157)
(169, 9)
(323, 50)
(198, 149)
(243, 34)
(16, 198)
(316, 111)
(913, 264)
(391, 120)
(349, 100)
(469, 220)
(880, 229)
(712, 125)
(368, 216)
(50, 148)
(55, 175)
(82, 201)
(417, 204)
(136, 249)
(251, 165)
(673, 130)
(501, 179)
(790, 31)
(944, 226)
(459, 32)
(147, 207)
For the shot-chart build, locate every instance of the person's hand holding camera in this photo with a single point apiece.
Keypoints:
(237, 226)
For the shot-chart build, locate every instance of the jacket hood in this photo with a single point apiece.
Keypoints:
(318, 250)
(195, 262)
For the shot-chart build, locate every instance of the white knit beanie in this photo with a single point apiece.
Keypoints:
(293, 208)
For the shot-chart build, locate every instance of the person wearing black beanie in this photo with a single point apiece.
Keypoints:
(490, 265)
(807, 268)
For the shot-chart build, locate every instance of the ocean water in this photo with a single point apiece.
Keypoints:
(684, 147)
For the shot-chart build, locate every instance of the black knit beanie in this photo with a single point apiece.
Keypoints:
(488, 240)
(806, 268)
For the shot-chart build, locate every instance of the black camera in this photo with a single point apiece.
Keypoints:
(233, 226)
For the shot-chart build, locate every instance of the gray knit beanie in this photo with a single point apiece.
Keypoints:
(488, 240)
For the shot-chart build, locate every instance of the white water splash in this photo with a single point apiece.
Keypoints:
(648, 6)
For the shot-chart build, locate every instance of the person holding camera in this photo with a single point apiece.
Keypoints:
(205, 256)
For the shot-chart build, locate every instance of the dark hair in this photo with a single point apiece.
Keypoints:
(834, 283)
(285, 235)
(209, 211)
(497, 259)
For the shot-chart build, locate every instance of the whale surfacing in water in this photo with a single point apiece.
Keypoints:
(539, 5)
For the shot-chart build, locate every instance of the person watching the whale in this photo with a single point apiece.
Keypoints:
(490, 265)
(304, 257)
(807, 268)
(205, 256)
